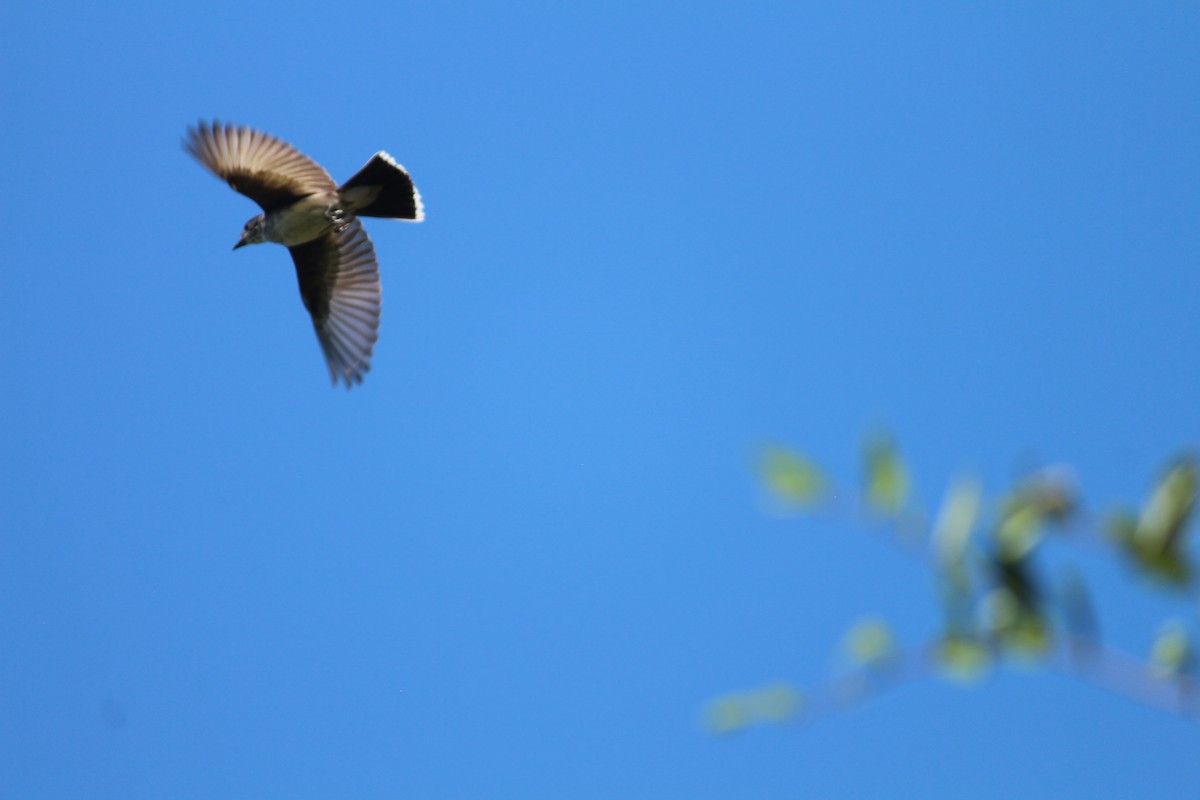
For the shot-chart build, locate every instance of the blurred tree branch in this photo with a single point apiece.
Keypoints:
(993, 604)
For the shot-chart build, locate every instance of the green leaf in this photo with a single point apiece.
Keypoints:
(792, 478)
(1019, 627)
(776, 703)
(1014, 610)
(870, 643)
(1054, 490)
(955, 521)
(1155, 538)
(1166, 514)
(1158, 541)
(1020, 528)
(963, 658)
(727, 714)
(1172, 654)
(1047, 496)
(886, 476)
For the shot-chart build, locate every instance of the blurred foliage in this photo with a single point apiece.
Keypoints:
(1154, 539)
(1172, 655)
(871, 644)
(775, 703)
(792, 478)
(995, 606)
(962, 657)
(955, 523)
(885, 476)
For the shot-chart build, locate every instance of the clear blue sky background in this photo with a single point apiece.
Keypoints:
(518, 560)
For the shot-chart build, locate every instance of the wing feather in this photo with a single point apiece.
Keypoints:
(339, 283)
(269, 171)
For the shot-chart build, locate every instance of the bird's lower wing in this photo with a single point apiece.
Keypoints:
(339, 283)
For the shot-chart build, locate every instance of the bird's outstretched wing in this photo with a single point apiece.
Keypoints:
(269, 171)
(339, 283)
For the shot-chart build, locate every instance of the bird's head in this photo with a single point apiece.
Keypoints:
(254, 232)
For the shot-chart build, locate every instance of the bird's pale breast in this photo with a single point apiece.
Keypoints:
(301, 222)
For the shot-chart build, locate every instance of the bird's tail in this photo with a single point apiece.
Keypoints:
(382, 188)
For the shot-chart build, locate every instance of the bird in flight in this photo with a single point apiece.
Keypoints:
(304, 210)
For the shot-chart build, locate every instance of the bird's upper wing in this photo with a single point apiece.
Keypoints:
(269, 171)
(339, 283)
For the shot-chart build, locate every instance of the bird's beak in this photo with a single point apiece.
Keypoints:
(240, 242)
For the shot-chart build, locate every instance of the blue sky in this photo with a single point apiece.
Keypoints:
(520, 558)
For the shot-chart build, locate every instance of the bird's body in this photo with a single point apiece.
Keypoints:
(304, 210)
(302, 221)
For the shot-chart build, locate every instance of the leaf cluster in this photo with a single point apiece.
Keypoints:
(993, 603)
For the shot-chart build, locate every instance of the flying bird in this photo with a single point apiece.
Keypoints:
(304, 210)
